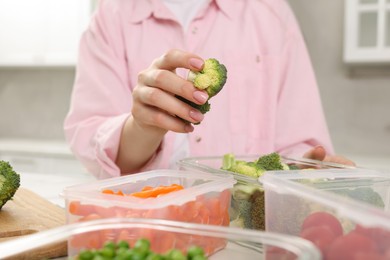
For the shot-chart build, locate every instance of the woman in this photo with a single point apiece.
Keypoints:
(125, 118)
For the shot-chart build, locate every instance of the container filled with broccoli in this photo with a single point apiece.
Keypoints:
(247, 201)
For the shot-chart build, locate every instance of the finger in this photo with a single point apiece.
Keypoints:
(178, 59)
(152, 116)
(339, 159)
(317, 153)
(170, 82)
(170, 104)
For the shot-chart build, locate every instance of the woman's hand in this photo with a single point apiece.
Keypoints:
(155, 105)
(319, 153)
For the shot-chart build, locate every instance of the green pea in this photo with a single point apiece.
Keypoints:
(175, 254)
(110, 245)
(153, 256)
(107, 252)
(123, 244)
(194, 251)
(86, 255)
(123, 254)
(199, 257)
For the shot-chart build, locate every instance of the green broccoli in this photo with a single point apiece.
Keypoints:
(257, 213)
(271, 162)
(9, 182)
(241, 205)
(364, 194)
(229, 163)
(211, 78)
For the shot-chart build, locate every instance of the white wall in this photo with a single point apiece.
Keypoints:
(356, 99)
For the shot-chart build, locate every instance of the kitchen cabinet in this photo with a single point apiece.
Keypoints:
(367, 31)
(42, 32)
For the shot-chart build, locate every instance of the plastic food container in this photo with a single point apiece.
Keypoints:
(247, 202)
(205, 198)
(346, 212)
(216, 241)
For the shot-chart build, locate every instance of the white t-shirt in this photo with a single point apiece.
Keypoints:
(184, 10)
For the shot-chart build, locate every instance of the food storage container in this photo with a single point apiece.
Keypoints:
(346, 213)
(205, 198)
(247, 202)
(215, 242)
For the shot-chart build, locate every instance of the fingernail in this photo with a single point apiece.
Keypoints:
(200, 96)
(196, 63)
(188, 128)
(196, 115)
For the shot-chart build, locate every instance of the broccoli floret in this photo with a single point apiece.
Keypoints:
(211, 78)
(271, 162)
(229, 163)
(364, 194)
(257, 213)
(9, 182)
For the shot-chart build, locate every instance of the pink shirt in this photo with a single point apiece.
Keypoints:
(269, 103)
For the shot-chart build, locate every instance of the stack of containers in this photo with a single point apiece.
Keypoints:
(346, 213)
(197, 215)
(247, 201)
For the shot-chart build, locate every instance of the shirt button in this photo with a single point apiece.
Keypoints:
(198, 139)
(194, 30)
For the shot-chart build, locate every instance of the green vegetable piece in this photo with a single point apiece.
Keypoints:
(211, 78)
(107, 252)
(123, 244)
(9, 182)
(199, 257)
(271, 162)
(86, 255)
(175, 254)
(153, 256)
(195, 251)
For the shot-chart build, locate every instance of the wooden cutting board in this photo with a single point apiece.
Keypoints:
(28, 213)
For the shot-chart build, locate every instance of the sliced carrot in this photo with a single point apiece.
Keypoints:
(147, 188)
(154, 192)
(76, 208)
(108, 191)
(147, 191)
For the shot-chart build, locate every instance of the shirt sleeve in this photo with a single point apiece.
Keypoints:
(300, 120)
(101, 99)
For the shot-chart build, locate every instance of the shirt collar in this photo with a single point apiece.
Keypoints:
(145, 8)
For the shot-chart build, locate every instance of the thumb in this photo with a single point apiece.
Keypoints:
(317, 153)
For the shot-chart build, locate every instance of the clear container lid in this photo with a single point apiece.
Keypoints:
(195, 184)
(241, 244)
(314, 186)
(213, 164)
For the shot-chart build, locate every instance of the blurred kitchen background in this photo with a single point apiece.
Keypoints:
(349, 43)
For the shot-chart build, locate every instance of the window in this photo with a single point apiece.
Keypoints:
(367, 31)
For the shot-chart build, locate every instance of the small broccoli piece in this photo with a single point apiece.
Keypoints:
(9, 182)
(293, 167)
(241, 204)
(364, 194)
(211, 78)
(272, 162)
(257, 213)
(229, 163)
